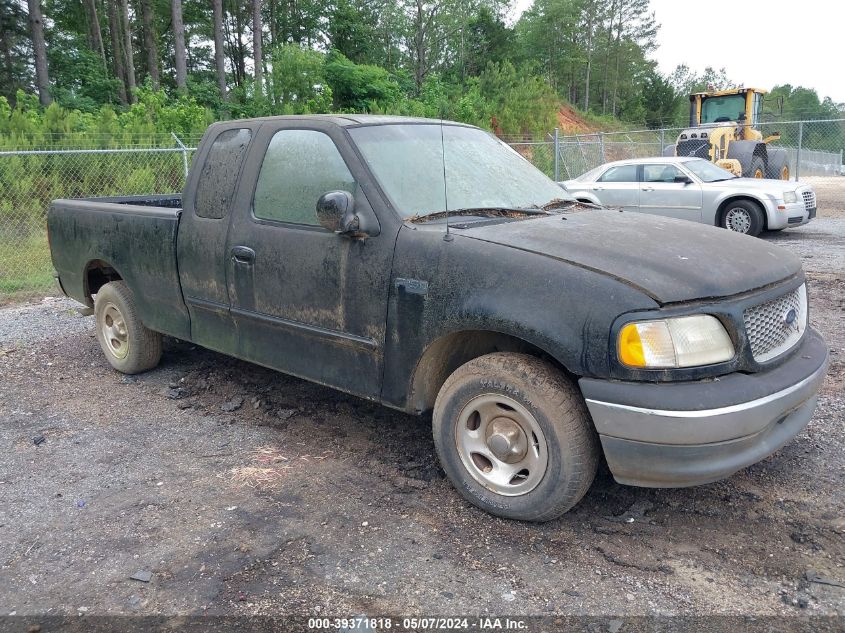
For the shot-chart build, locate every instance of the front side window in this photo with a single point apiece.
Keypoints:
(219, 174)
(661, 172)
(620, 173)
(299, 167)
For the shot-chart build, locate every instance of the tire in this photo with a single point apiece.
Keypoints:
(128, 345)
(550, 460)
(756, 168)
(743, 216)
(778, 168)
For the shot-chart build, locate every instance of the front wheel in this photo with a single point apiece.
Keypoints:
(743, 216)
(778, 168)
(756, 168)
(514, 437)
(129, 346)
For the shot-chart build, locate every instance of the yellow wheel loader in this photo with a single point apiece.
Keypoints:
(723, 130)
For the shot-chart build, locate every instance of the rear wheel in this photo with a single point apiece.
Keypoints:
(514, 437)
(743, 216)
(129, 346)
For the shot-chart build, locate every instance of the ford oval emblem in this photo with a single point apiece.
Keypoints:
(790, 316)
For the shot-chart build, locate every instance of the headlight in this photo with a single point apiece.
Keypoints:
(790, 196)
(676, 342)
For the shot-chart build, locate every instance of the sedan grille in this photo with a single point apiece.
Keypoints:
(775, 326)
(694, 147)
(809, 200)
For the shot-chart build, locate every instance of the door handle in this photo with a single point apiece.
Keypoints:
(598, 188)
(243, 255)
(648, 188)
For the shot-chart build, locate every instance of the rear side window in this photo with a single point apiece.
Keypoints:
(620, 173)
(219, 174)
(299, 167)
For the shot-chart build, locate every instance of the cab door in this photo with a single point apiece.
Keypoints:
(307, 301)
(203, 232)
(661, 192)
(618, 187)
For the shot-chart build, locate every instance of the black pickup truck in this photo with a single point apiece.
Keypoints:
(430, 267)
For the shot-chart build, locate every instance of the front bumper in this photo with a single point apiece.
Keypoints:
(670, 435)
(794, 214)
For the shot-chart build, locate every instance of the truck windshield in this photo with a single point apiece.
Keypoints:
(479, 170)
(718, 109)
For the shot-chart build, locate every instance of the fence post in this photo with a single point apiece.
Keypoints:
(184, 154)
(557, 154)
(601, 147)
(798, 153)
(662, 140)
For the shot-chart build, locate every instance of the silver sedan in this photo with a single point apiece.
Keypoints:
(695, 189)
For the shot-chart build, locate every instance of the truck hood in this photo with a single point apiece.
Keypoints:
(669, 260)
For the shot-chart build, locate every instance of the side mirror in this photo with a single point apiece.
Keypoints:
(684, 180)
(336, 212)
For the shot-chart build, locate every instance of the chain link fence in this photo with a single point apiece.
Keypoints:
(30, 179)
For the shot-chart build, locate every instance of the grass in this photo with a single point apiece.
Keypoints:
(26, 270)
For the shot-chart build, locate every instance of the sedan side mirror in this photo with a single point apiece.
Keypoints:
(684, 180)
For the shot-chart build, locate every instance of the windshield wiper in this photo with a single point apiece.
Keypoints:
(505, 212)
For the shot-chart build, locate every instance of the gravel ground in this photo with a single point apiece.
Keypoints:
(243, 491)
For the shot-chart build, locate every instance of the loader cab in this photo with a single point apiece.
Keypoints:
(740, 105)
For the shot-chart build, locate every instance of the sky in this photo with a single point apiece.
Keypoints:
(797, 43)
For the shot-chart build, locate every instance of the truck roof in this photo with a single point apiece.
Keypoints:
(343, 120)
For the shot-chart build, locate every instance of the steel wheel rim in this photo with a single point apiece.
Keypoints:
(738, 219)
(501, 445)
(114, 332)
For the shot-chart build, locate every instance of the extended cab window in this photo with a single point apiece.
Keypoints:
(220, 172)
(661, 172)
(299, 167)
(620, 173)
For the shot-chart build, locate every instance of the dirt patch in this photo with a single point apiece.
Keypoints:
(569, 121)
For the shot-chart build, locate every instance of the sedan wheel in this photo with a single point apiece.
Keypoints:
(743, 216)
(738, 219)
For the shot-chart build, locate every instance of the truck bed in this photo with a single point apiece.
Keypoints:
(135, 236)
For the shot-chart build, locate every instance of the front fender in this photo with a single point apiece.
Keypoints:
(766, 203)
(585, 195)
(440, 287)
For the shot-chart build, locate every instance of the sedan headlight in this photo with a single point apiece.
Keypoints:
(790, 196)
(687, 341)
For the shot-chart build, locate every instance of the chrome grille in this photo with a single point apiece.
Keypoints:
(809, 200)
(775, 326)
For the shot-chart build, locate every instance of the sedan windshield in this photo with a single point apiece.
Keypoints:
(429, 168)
(707, 171)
